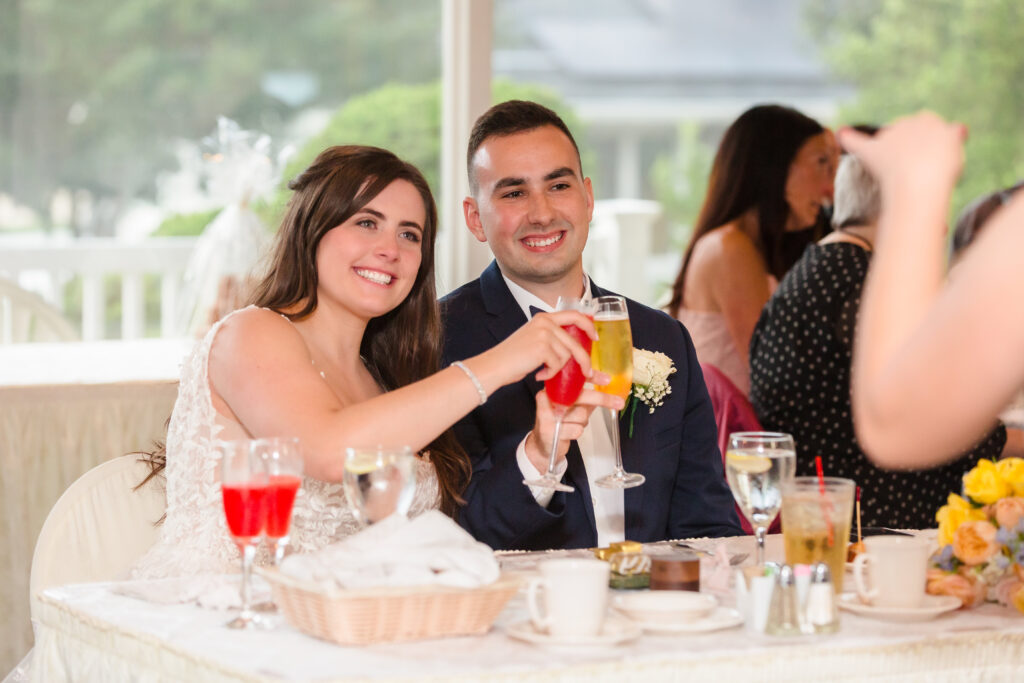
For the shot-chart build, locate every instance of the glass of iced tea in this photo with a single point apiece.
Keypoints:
(816, 522)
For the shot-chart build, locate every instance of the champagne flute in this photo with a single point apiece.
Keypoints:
(243, 484)
(282, 460)
(756, 464)
(563, 390)
(612, 354)
(379, 482)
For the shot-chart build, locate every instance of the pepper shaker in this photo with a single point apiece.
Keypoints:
(784, 615)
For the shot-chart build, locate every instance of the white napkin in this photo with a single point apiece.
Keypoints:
(213, 591)
(430, 549)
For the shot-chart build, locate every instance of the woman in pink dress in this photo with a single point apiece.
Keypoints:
(772, 174)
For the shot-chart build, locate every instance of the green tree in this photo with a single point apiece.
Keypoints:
(681, 180)
(93, 94)
(959, 58)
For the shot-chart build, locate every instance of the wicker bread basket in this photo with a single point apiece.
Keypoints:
(388, 614)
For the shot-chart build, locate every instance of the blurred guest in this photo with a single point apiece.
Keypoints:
(771, 175)
(936, 360)
(800, 359)
(968, 226)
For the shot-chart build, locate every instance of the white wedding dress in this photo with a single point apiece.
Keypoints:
(194, 539)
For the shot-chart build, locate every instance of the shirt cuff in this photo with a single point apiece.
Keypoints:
(542, 495)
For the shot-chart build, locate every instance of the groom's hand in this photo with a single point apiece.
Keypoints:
(538, 441)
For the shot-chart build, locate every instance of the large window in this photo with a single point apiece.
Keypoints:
(109, 125)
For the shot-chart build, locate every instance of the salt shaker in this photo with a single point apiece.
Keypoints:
(784, 613)
(821, 613)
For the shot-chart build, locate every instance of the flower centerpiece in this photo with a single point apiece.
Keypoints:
(981, 537)
(651, 370)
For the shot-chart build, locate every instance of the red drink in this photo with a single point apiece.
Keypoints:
(280, 497)
(245, 508)
(564, 388)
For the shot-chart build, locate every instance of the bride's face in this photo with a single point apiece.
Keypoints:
(368, 264)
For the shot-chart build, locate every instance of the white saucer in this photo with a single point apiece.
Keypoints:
(720, 618)
(615, 630)
(931, 607)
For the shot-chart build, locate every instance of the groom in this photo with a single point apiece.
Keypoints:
(531, 203)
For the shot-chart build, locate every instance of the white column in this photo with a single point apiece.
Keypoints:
(466, 37)
(627, 167)
(93, 307)
(133, 306)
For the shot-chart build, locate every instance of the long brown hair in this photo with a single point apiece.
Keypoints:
(750, 171)
(400, 347)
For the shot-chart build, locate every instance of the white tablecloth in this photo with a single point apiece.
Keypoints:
(88, 632)
(65, 408)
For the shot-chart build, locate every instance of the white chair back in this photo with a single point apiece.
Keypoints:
(25, 317)
(99, 527)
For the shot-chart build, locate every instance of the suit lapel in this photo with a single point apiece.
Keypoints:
(505, 316)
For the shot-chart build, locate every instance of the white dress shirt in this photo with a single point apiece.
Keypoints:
(595, 445)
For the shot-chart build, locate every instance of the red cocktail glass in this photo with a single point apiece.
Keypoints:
(563, 390)
(244, 490)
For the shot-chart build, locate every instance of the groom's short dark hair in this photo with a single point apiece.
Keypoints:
(508, 118)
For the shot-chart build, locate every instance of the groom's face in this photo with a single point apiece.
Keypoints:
(532, 205)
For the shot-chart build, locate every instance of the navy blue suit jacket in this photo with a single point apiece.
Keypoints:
(675, 447)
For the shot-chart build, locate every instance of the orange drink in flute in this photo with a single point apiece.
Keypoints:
(612, 354)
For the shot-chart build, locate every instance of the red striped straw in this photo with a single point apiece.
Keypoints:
(825, 508)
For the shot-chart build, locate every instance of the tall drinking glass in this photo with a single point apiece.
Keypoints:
(563, 389)
(756, 464)
(282, 460)
(612, 354)
(816, 518)
(379, 482)
(243, 483)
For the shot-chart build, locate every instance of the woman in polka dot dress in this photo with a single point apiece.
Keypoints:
(800, 367)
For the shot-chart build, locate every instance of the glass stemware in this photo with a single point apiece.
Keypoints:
(379, 482)
(563, 390)
(612, 354)
(282, 461)
(756, 464)
(244, 489)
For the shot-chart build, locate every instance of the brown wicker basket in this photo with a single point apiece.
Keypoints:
(388, 614)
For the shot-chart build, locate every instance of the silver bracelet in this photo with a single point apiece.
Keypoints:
(472, 378)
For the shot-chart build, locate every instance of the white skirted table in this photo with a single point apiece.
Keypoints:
(65, 408)
(90, 632)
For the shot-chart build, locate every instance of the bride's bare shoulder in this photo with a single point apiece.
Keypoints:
(257, 332)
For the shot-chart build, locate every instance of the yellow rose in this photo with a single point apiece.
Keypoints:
(953, 514)
(984, 484)
(1012, 472)
(975, 542)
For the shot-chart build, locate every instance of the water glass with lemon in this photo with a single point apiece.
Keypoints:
(755, 465)
(379, 482)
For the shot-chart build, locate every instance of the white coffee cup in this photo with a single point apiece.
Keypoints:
(897, 568)
(575, 597)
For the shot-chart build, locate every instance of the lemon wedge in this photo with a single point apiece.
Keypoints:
(362, 463)
(751, 464)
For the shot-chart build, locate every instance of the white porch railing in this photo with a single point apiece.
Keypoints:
(47, 268)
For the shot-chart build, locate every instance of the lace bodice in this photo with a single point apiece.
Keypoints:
(194, 538)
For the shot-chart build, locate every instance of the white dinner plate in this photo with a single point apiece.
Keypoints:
(720, 618)
(615, 630)
(931, 607)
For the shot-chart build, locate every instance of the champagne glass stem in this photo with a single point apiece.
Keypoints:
(760, 532)
(279, 545)
(616, 442)
(246, 616)
(554, 447)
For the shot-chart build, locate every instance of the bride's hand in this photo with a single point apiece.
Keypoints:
(542, 341)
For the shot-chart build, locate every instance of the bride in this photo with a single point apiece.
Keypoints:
(340, 347)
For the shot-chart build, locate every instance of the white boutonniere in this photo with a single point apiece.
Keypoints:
(651, 370)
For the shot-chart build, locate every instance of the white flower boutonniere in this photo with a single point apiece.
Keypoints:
(651, 370)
